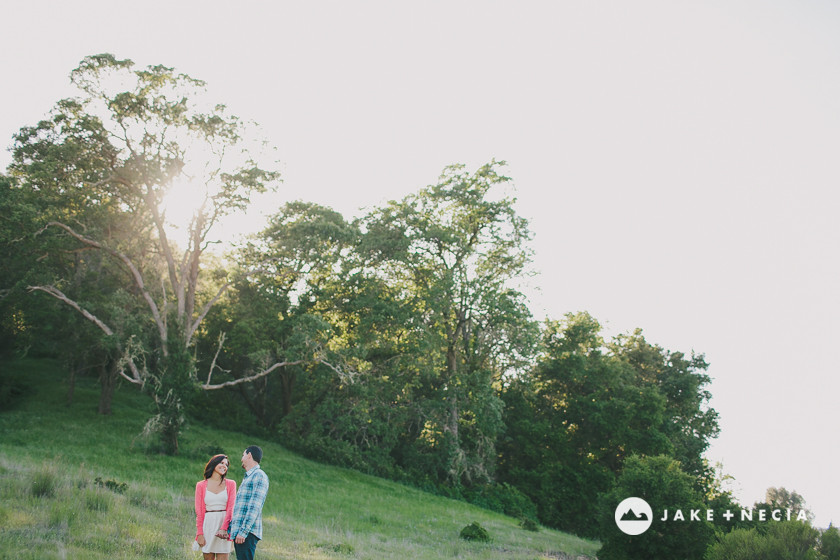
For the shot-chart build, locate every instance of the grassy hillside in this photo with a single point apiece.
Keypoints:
(74, 484)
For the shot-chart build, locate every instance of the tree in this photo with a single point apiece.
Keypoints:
(830, 543)
(373, 420)
(117, 149)
(589, 404)
(691, 422)
(16, 215)
(573, 421)
(455, 250)
(789, 540)
(36, 324)
(271, 314)
(783, 499)
(664, 485)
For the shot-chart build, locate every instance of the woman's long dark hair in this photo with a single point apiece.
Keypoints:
(211, 465)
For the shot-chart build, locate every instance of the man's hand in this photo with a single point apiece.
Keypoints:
(240, 539)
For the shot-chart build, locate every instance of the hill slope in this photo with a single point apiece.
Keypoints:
(74, 484)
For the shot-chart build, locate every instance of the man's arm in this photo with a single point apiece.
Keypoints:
(252, 506)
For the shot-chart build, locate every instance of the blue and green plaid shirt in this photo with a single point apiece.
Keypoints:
(247, 511)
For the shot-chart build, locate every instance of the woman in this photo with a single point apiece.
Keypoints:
(214, 498)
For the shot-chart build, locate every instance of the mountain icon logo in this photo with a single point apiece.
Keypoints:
(633, 516)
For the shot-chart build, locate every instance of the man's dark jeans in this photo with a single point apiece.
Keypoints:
(246, 550)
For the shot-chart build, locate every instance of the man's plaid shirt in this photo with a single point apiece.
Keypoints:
(247, 511)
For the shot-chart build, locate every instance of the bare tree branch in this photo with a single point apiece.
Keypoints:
(56, 293)
(213, 364)
(208, 387)
(138, 278)
(204, 311)
(348, 377)
(137, 379)
(189, 276)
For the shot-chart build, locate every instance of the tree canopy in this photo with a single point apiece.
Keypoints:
(105, 160)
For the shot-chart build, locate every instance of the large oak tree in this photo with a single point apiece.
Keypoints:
(457, 250)
(118, 148)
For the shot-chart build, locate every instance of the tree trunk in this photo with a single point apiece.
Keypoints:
(71, 382)
(108, 383)
(288, 382)
(455, 455)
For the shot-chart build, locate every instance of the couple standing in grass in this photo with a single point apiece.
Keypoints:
(223, 515)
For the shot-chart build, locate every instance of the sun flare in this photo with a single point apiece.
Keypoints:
(180, 204)
(184, 199)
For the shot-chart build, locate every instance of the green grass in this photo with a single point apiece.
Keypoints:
(61, 495)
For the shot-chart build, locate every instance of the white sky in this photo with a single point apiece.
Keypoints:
(678, 160)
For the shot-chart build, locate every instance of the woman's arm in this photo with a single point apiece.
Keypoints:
(231, 499)
(200, 508)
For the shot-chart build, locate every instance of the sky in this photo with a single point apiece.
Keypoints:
(678, 161)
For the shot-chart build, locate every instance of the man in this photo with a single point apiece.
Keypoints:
(246, 523)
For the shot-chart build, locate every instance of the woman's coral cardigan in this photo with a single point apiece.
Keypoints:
(200, 508)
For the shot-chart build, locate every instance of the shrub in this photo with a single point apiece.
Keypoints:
(502, 498)
(44, 483)
(96, 500)
(343, 548)
(112, 485)
(529, 525)
(475, 532)
(64, 513)
(788, 539)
